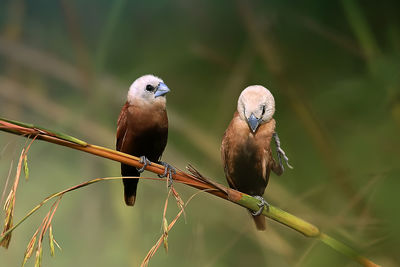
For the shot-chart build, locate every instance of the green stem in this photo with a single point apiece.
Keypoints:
(346, 250)
(281, 216)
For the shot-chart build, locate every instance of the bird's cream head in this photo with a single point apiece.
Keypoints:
(256, 106)
(147, 89)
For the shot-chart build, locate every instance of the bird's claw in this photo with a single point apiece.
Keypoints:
(169, 170)
(261, 205)
(280, 152)
(145, 161)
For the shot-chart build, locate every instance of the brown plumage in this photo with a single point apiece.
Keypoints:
(245, 149)
(142, 127)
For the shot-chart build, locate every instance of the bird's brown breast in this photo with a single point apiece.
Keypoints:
(145, 131)
(247, 156)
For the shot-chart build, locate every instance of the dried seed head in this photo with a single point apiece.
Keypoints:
(26, 169)
(51, 241)
(8, 220)
(29, 248)
(165, 235)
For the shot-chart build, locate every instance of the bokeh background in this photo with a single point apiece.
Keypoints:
(333, 67)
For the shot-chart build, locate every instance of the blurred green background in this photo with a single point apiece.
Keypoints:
(333, 67)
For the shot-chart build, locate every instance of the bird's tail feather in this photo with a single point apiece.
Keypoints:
(130, 185)
(130, 199)
(260, 222)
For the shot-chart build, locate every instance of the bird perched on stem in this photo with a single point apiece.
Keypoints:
(142, 129)
(246, 152)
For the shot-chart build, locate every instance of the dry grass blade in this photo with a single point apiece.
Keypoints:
(46, 225)
(55, 242)
(179, 200)
(154, 249)
(180, 204)
(8, 221)
(58, 194)
(165, 234)
(51, 240)
(42, 228)
(29, 248)
(199, 176)
(7, 181)
(164, 221)
(39, 247)
(26, 169)
(39, 254)
(9, 206)
(10, 201)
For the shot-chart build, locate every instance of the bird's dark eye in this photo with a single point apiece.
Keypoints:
(263, 110)
(149, 88)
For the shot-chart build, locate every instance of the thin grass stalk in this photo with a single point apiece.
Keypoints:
(58, 194)
(154, 249)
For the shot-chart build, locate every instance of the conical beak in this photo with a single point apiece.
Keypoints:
(162, 89)
(253, 122)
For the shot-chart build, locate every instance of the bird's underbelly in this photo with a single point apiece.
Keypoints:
(148, 142)
(248, 169)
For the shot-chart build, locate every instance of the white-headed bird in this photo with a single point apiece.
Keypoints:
(245, 149)
(142, 128)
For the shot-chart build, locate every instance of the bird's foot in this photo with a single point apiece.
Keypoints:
(280, 152)
(168, 172)
(145, 161)
(261, 205)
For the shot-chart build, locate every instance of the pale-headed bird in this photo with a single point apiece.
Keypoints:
(245, 149)
(142, 128)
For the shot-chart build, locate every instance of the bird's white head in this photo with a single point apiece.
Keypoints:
(256, 105)
(147, 89)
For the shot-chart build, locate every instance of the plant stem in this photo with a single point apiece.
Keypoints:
(244, 200)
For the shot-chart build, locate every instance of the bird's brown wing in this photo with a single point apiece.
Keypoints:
(124, 145)
(121, 127)
(224, 156)
(274, 166)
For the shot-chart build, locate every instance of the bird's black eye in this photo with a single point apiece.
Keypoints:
(149, 88)
(263, 110)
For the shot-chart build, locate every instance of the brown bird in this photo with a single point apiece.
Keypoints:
(245, 149)
(142, 129)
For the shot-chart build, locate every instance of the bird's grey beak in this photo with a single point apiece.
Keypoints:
(253, 122)
(162, 89)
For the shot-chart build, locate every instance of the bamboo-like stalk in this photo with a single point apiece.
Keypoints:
(197, 181)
